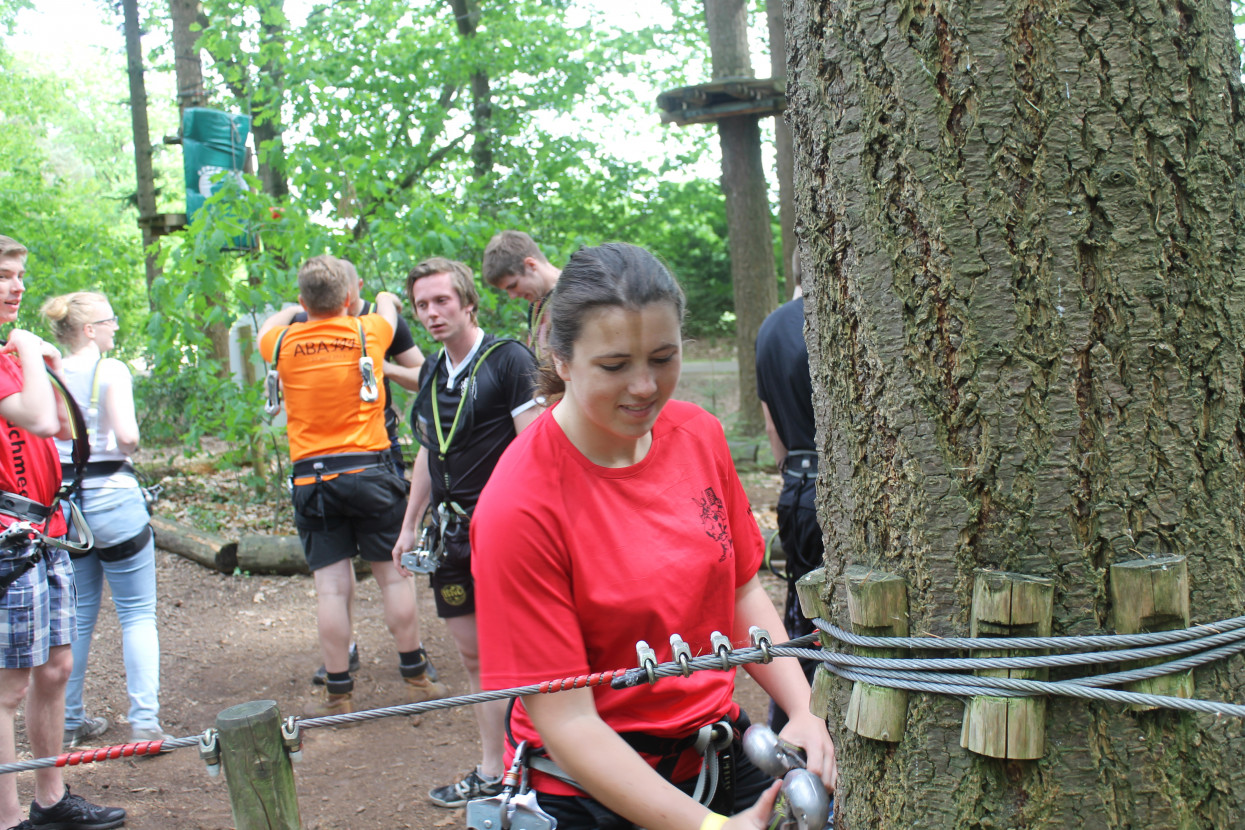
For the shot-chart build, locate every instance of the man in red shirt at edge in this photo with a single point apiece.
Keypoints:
(37, 612)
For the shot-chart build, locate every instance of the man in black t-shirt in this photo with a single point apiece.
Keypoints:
(474, 398)
(786, 392)
(403, 360)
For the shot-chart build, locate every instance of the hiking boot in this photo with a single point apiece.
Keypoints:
(88, 730)
(322, 674)
(73, 812)
(330, 704)
(423, 688)
(473, 786)
(155, 734)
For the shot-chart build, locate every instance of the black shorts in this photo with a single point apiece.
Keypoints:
(452, 585)
(350, 514)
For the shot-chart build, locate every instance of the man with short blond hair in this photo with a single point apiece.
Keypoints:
(348, 496)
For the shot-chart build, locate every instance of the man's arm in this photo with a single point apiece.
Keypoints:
(389, 306)
(35, 408)
(525, 418)
(775, 443)
(421, 490)
(404, 368)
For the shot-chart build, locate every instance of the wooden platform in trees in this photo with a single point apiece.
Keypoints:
(723, 98)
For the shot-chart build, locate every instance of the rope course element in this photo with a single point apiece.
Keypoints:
(1190, 648)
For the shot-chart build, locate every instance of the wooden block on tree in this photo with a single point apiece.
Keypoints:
(1009, 605)
(877, 603)
(257, 767)
(208, 549)
(811, 590)
(1149, 595)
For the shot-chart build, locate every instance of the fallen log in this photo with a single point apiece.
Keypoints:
(260, 554)
(271, 555)
(207, 549)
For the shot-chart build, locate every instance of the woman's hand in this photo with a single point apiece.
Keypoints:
(809, 731)
(757, 816)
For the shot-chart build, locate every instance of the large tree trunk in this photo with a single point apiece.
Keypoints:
(144, 175)
(751, 240)
(784, 155)
(467, 18)
(1024, 227)
(188, 67)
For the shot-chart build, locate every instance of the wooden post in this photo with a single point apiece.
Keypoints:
(1150, 595)
(1009, 605)
(811, 589)
(257, 767)
(877, 603)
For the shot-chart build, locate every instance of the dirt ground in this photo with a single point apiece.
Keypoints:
(228, 639)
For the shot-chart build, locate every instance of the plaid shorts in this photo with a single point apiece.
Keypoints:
(38, 611)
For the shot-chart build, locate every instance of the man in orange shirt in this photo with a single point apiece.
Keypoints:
(349, 498)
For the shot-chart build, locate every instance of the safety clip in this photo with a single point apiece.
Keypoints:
(368, 391)
(648, 659)
(291, 736)
(759, 638)
(722, 648)
(682, 654)
(209, 750)
(272, 392)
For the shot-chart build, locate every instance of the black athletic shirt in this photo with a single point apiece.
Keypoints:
(783, 380)
(503, 382)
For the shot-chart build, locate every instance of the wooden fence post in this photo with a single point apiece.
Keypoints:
(811, 589)
(257, 767)
(1149, 595)
(1009, 605)
(877, 603)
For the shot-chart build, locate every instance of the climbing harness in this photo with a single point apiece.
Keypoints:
(368, 389)
(515, 808)
(448, 515)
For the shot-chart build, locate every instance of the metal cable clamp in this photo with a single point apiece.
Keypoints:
(759, 638)
(292, 737)
(209, 750)
(647, 659)
(682, 654)
(722, 648)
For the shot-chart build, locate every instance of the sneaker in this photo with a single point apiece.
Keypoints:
(24, 824)
(73, 812)
(473, 786)
(329, 704)
(424, 688)
(88, 730)
(155, 734)
(322, 674)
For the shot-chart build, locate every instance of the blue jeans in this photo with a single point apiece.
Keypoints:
(114, 516)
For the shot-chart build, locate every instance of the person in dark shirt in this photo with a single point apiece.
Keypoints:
(786, 392)
(475, 396)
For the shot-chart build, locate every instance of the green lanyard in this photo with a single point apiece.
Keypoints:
(443, 440)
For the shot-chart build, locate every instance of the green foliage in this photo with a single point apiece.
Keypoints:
(63, 188)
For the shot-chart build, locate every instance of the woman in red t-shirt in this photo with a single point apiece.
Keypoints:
(618, 516)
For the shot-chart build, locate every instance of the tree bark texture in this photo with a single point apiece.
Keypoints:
(467, 18)
(188, 66)
(1024, 225)
(784, 155)
(143, 172)
(750, 238)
